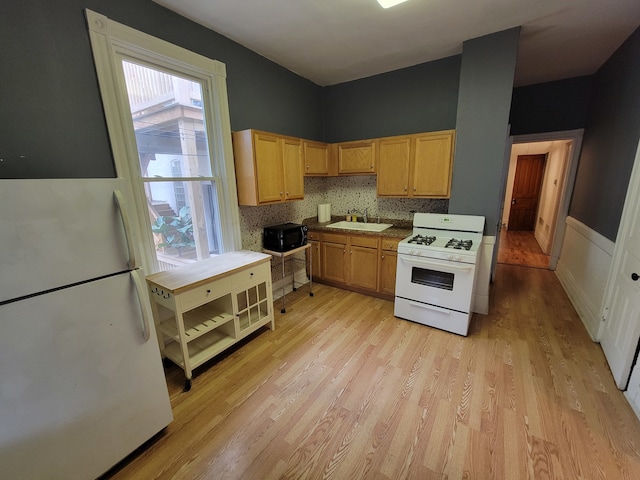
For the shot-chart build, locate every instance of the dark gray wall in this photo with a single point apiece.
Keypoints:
(610, 141)
(484, 100)
(51, 119)
(550, 107)
(417, 99)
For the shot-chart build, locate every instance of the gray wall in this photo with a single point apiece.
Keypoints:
(550, 107)
(417, 99)
(51, 119)
(484, 100)
(610, 141)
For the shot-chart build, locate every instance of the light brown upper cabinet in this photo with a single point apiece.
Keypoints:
(356, 157)
(416, 165)
(316, 158)
(269, 167)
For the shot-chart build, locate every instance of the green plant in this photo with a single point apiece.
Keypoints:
(177, 231)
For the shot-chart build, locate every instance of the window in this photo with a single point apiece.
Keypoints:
(167, 114)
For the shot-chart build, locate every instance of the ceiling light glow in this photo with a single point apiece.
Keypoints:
(390, 3)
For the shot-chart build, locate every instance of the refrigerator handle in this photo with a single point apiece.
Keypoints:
(117, 194)
(141, 290)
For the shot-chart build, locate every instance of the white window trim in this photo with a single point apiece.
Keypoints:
(110, 40)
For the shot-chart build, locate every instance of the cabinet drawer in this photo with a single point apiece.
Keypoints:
(205, 293)
(314, 236)
(390, 244)
(364, 241)
(250, 275)
(334, 238)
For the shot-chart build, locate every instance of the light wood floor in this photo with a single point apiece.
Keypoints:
(521, 248)
(343, 390)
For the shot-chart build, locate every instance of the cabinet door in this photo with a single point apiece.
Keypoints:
(334, 262)
(316, 158)
(432, 165)
(293, 169)
(268, 158)
(356, 157)
(252, 307)
(315, 252)
(364, 267)
(388, 264)
(393, 166)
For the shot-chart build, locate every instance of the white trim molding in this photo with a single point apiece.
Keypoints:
(583, 270)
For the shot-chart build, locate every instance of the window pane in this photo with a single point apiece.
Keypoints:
(169, 124)
(184, 221)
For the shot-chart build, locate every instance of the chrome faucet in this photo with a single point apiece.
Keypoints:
(365, 214)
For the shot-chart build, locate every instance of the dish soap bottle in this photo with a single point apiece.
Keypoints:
(348, 218)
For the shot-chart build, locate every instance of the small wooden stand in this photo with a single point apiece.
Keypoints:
(283, 256)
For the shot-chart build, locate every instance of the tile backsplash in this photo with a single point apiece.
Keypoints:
(343, 193)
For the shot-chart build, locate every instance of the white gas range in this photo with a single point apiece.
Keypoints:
(436, 270)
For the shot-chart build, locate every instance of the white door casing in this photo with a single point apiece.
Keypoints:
(620, 330)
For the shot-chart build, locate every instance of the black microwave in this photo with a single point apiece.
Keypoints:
(285, 237)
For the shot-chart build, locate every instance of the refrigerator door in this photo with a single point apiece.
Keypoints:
(58, 232)
(80, 387)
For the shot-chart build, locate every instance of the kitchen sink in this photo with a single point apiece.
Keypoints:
(367, 227)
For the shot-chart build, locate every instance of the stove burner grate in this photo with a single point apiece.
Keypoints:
(459, 244)
(422, 240)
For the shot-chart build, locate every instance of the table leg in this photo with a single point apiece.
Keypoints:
(311, 271)
(284, 306)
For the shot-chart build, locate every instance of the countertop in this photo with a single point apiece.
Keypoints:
(400, 229)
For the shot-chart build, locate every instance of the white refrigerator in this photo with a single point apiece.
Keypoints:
(81, 378)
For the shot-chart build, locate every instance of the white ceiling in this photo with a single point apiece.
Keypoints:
(334, 41)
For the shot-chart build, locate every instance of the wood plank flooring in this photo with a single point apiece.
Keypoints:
(521, 248)
(343, 390)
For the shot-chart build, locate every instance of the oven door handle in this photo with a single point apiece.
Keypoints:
(451, 266)
(430, 307)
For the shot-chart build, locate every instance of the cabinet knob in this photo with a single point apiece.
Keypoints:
(405, 189)
(414, 189)
(382, 256)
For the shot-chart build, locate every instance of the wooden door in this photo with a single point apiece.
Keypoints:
(363, 267)
(432, 165)
(293, 169)
(393, 166)
(268, 158)
(526, 191)
(620, 332)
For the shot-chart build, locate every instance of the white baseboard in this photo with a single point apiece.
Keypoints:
(583, 269)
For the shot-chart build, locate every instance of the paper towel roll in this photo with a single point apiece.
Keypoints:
(324, 212)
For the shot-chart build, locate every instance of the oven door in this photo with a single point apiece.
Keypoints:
(436, 282)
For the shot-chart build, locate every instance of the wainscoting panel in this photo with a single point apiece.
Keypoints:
(583, 269)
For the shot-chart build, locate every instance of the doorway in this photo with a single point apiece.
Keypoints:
(527, 184)
(531, 233)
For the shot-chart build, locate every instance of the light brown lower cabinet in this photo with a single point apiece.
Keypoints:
(388, 264)
(334, 257)
(364, 263)
(315, 254)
